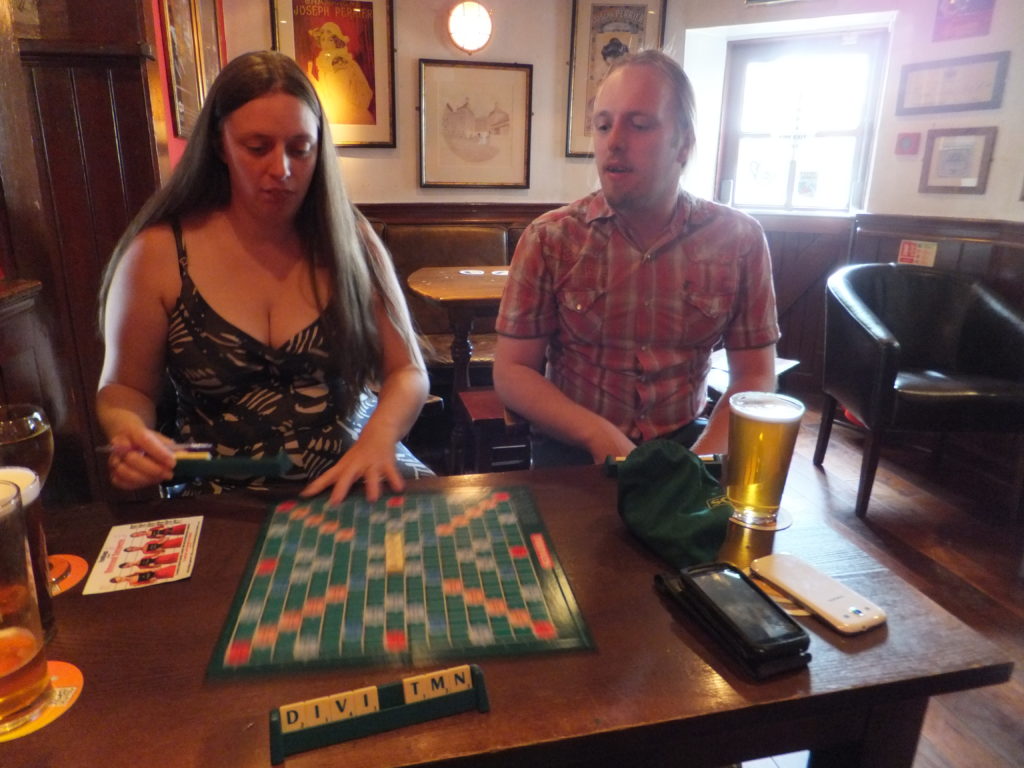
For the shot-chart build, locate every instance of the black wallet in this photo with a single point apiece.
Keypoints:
(751, 627)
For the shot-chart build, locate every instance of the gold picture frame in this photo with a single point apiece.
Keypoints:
(602, 31)
(475, 124)
(347, 49)
(192, 42)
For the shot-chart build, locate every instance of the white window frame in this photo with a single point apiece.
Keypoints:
(704, 59)
(743, 53)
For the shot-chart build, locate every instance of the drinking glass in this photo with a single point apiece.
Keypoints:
(762, 433)
(30, 488)
(26, 440)
(25, 687)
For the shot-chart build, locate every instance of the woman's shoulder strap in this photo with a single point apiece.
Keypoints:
(179, 243)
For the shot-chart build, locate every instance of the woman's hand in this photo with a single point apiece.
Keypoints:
(403, 390)
(139, 458)
(371, 460)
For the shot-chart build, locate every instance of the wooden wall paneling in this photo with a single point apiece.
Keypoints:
(20, 379)
(58, 124)
(98, 162)
(36, 367)
(1006, 273)
(993, 250)
(456, 213)
(804, 254)
(975, 258)
(6, 247)
(96, 179)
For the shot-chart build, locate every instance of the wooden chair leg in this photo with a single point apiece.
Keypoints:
(1018, 485)
(868, 465)
(828, 413)
(458, 449)
(482, 450)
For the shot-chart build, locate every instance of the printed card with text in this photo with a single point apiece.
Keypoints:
(144, 554)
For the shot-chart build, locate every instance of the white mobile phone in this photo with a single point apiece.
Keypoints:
(836, 604)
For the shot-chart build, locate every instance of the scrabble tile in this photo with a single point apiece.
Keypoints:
(434, 684)
(328, 709)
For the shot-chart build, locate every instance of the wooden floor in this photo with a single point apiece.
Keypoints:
(955, 539)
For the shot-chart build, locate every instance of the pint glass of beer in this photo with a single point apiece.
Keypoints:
(762, 432)
(24, 679)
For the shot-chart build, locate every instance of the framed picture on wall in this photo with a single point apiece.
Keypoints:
(347, 49)
(208, 41)
(953, 85)
(957, 160)
(601, 32)
(192, 42)
(962, 18)
(475, 124)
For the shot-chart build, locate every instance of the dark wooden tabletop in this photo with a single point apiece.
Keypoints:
(654, 690)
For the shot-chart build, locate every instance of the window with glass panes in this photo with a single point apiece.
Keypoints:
(799, 120)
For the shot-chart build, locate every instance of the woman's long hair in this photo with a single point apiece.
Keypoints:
(332, 231)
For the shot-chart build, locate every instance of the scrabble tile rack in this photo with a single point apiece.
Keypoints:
(363, 712)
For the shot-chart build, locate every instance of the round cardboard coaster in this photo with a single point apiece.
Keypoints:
(68, 570)
(67, 684)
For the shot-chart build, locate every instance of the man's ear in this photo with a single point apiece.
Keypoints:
(685, 147)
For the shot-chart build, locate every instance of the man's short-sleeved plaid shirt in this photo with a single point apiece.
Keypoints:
(631, 332)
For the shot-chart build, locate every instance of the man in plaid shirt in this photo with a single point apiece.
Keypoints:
(615, 302)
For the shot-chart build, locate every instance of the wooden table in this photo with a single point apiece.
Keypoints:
(718, 376)
(466, 293)
(653, 692)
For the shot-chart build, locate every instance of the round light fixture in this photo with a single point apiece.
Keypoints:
(469, 26)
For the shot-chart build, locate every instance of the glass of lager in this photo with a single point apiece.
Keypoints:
(24, 679)
(762, 432)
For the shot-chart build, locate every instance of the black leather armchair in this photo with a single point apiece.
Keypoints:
(918, 349)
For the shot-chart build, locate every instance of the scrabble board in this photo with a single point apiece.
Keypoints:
(409, 579)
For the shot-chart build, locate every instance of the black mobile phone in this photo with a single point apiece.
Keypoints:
(741, 616)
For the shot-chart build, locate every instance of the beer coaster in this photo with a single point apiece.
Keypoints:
(67, 570)
(782, 521)
(67, 684)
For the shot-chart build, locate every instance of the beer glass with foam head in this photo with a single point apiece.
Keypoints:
(30, 487)
(24, 679)
(762, 432)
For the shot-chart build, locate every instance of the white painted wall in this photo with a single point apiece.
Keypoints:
(538, 32)
(526, 32)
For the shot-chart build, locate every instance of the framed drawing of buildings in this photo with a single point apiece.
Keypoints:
(475, 124)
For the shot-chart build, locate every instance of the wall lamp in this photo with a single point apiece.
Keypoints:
(469, 26)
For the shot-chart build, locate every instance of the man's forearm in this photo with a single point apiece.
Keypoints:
(532, 396)
(715, 437)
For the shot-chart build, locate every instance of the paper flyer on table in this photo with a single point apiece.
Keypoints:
(144, 554)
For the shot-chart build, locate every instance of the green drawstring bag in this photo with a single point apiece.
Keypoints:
(672, 504)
